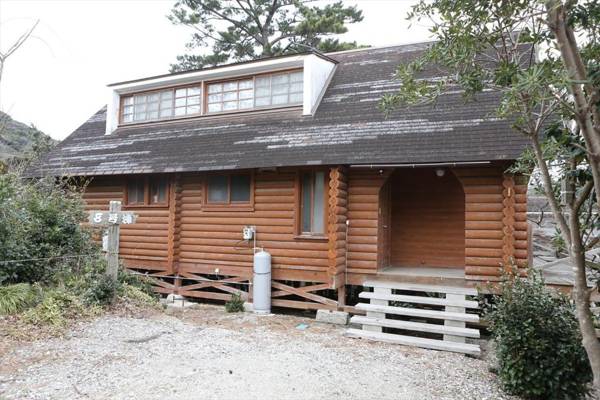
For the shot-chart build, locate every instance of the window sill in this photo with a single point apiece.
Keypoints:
(316, 238)
(132, 206)
(215, 208)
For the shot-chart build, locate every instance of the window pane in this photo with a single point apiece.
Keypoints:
(230, 105)
(230, 96)
(152, 106)
(193, 91)
(158, 191)
(128, 100)
(277, 100)
(262, 101)
(152, 115)
(135, 191)
(166, 112)
(180, 111)
(296, 98)
(127, 117)
(279, 79)
(140, 116)
(193, 100)
(263, 92)
(193, 109)
(245, 104)
(139, 99)
(240, 188)
(229, 86)
(215, 107)
(153, 97)
(167, 94)
(217, 189)
(215, 88)
(180, 102)
(306, 202)
(166, 103)
(318, 206)
(296, 77)
(180, 93)
(296, 87)
(279, 89)
(246, 94)
(215, 98)
(263, 81)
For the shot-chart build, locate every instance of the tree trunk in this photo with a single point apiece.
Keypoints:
(581, 297)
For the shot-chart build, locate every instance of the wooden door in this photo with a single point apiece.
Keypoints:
(384, 226)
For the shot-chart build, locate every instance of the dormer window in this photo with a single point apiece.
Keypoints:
(262, 91)
(163, 104)
(280, 89)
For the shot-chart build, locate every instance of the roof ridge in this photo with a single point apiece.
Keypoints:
(387, 46)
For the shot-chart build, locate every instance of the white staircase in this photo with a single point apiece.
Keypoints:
(418, 313)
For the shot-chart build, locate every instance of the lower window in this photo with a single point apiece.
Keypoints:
(146, 191)
(229, 189)
(312, 203)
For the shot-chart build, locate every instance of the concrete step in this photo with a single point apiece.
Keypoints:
(417, 312)
(416, 287)
(415, 341)
(434, 301)
(416, 326)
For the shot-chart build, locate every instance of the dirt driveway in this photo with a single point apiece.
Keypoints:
(208, 354)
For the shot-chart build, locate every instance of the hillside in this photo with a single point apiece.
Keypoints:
(16, 138)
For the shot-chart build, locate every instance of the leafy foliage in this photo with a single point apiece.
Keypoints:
(40, 229)
(250, 29)
(235, 304)
(16, 298)
(538, 342)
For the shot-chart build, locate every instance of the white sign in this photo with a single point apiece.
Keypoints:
(111, 218)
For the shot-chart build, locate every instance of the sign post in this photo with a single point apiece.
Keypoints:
(112, 219)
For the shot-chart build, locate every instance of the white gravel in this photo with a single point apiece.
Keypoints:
(207, 354)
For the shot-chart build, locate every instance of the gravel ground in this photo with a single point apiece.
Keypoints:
(208, 354)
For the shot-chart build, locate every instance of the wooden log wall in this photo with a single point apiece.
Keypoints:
(427, 220)
(145, 241)
(495, 221)
(211, 239)
(363, 213)
(336, 226)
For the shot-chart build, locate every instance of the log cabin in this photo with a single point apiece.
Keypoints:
(297, 147)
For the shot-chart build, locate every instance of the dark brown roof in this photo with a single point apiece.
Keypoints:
(347, 128)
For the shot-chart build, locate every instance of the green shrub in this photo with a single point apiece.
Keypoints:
(235, 304)
(57, 308)
(16, 298)
(538, 342)
(41, 235)
(101, 291)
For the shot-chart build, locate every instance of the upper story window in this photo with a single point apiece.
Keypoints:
(272, 90)
(278, 89)
(163, 104)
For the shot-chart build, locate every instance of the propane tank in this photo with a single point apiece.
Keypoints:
(261, 287)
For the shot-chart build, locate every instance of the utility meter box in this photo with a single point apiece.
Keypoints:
(248, 232)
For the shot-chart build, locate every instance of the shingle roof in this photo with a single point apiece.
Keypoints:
(347, 128)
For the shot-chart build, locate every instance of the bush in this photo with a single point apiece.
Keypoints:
(16, 298)
(41, 234)
(101, 291)
(235, 304)
(57, 308)
(538, 342)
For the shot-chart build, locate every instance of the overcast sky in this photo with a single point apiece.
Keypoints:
(58, 79)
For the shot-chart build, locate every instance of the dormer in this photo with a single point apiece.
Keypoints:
(292, 81)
